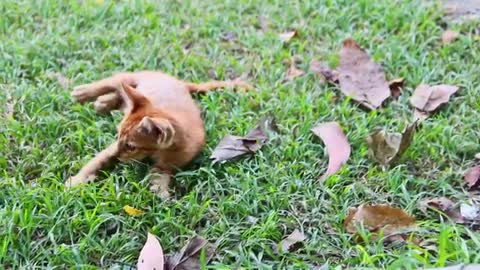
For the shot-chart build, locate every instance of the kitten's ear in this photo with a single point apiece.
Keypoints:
(159, 127)
(132, 98)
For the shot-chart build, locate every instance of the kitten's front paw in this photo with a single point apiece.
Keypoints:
(77, 180)
(82, 93)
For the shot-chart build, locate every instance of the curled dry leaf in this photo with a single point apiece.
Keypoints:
(151, 256)
(337, 145)
(472, 177)
(287, 36)
(428, 98)
(291, 242)
(330, 75)
(133, 212)
(393, 221)
(293, 71)
(235, 146)
(387, 148)
(189, 257)
(228, 36)
(396, 86)
(449, 36)
(444, 205)
(360, 77)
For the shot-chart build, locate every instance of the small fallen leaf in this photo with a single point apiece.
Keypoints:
(387, 148)
(428, 98)
(360, 77)
(293, 71)
(330, 75)
(449, 36)
(61, 79)
(472, 177)
(419, 116)
(151, 257)
(374, 218)
(291, 242)
(133, 212)
(337, 145)
(228, 36)
(287, 36)
(188, 258)
(235, 146)
(396, 86)
(444, 205)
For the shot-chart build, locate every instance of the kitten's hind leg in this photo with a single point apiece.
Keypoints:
(88, 92)
(108, 102)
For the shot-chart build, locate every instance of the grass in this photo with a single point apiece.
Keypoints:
(51, 137)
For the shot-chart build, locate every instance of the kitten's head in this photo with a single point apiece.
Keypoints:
(144, 129)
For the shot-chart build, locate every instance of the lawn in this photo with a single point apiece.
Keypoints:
(248, 205)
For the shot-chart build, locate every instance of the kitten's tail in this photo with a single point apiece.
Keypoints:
(212, 85)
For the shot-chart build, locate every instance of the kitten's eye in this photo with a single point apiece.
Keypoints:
(130, 147)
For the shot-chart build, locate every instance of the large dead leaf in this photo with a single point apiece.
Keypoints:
(387, 148)
(374, 218)
(444, 205)
(337, 145)
(291, 242)
(428, 98)
(360, 77)
(472, 177)
(189, 258)
(151, 257)
(235, 146)
(287, 36)
(449, 36)
(330, 75)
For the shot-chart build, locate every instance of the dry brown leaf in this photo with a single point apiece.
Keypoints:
(472, 177)
(445, 205)
(419, 116)
(231, 147)
(330, 75)
(462, 9)
(337, 145)
(287, 36)
(387, 148)
(360, 77)
(428, 98)
(189, 257)
(293, 71)
(449, 36)
(291, 242)
(151, 256)
(396, 86)
(379, 217)
(263, 22)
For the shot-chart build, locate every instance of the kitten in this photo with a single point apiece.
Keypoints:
(161, 121)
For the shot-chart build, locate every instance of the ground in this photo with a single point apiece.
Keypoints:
(245, 206)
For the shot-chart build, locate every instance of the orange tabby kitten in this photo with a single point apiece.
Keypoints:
(161, 122)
